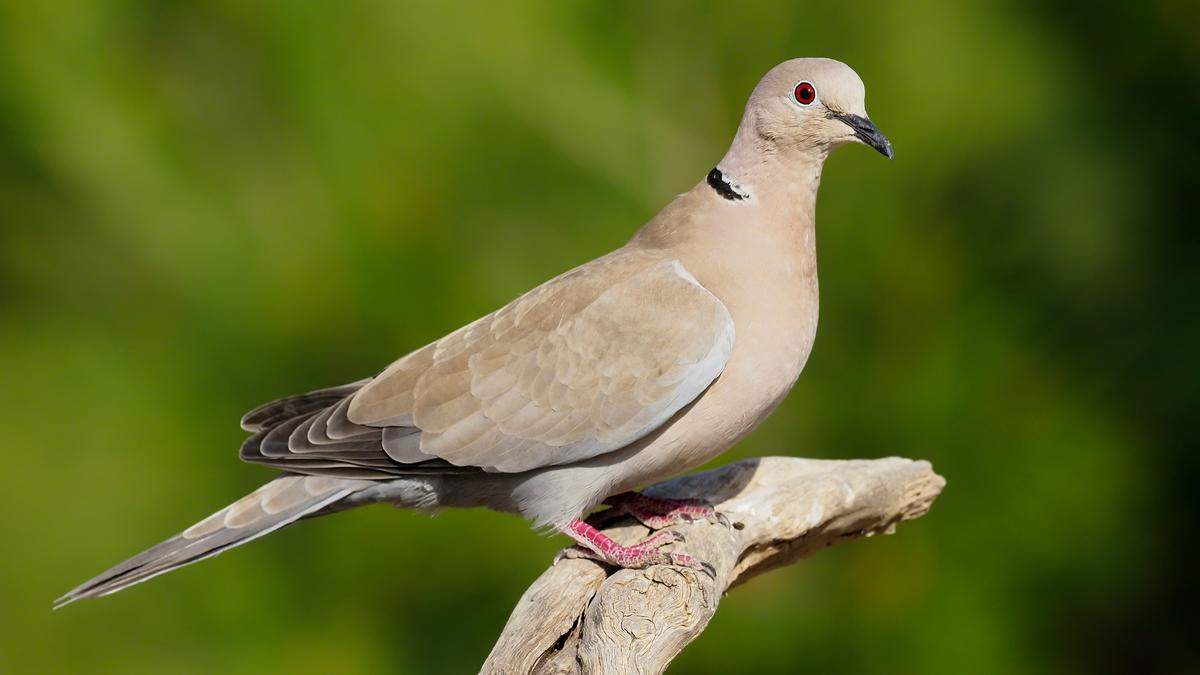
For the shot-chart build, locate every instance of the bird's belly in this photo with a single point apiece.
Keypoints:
(728, 410)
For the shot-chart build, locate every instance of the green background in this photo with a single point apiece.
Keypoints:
(206, 205)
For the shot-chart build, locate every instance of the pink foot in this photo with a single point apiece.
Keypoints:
(595, 545)
(655, 513)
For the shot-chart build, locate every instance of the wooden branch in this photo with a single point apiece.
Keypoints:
(581, 617)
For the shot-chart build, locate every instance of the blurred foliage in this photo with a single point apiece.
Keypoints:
(210, 204)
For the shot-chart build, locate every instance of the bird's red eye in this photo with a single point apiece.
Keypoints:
(805, 93)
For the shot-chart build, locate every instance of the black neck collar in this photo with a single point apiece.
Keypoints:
(716, 180)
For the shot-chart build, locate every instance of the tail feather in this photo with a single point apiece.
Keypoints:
(272, 506)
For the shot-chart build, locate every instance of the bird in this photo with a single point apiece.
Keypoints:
(641, 364)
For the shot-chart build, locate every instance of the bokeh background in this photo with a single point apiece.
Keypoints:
(206, 205)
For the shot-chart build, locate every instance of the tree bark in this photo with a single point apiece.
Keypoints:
(582, 617)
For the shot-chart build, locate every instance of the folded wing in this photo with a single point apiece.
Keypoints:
(583, 365)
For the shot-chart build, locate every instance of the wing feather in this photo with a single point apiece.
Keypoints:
(583, 365)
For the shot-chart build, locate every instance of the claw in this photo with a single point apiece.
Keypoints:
(690, 562)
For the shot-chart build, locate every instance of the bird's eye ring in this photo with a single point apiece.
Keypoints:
(805, 93)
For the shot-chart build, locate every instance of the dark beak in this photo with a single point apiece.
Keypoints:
(867, 132)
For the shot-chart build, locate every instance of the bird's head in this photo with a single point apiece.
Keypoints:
(811, 104)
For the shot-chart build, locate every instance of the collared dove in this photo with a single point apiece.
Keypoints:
(641, 364)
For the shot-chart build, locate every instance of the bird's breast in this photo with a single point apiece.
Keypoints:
(774, 338)
(760, 262)
(775, 321)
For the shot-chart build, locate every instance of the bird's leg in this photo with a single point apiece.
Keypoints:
(656, 512)
(595, 545)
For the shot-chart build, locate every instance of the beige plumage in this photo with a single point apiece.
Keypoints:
(643, 363)
(578, 367)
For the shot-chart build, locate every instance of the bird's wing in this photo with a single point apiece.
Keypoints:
(587, 363)
(584, 364)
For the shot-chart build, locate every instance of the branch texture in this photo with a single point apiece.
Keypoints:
(581, 617)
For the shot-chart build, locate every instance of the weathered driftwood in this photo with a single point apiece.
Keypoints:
(580, 617)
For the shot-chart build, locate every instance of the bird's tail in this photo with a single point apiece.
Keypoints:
(272, 506)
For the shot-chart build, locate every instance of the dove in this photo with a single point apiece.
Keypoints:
(639, 365)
